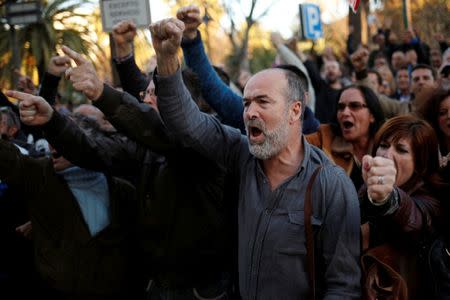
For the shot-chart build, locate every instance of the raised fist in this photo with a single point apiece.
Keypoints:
(360, 59)
(166, 37)
(379, 175)
(123, 34)
(190, 16)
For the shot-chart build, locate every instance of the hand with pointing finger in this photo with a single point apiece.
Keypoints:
(83, 76)
(34, 110)
(58, 65)
(379, 175)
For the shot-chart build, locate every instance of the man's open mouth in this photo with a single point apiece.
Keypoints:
(255, 131)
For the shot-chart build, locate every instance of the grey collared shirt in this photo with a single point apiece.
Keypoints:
(272, 252)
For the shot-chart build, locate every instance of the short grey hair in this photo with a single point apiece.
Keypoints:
(297, 84)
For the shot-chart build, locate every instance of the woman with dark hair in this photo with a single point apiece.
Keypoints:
(436, 110)
(399, 199)
(349, 137)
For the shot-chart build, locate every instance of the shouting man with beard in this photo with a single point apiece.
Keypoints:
(274, 165)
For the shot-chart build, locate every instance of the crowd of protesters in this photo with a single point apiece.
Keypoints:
(322, 177)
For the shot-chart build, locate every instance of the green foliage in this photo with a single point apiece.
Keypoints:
(62, 23)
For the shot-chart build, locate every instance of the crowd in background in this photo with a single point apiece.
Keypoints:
(103, 201)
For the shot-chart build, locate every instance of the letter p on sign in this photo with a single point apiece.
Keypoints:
(311, 26)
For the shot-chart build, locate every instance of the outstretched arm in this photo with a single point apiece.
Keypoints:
(49, 86)
(137, 121)
(222, 99)
(115, 155)
(179, 113)
(289, 57)
(131, 77)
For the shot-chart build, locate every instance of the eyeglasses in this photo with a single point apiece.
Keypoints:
(353, 106)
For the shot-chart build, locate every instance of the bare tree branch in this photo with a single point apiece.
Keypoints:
(231, 33)
(239, 38)
(264, 13)
(250, 14)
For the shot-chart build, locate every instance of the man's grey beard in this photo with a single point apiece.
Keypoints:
(275, 140)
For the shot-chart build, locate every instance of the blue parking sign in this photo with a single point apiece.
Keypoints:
(311, 27)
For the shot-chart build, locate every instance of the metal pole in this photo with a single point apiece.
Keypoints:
(15, 57)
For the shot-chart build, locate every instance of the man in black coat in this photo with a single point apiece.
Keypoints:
(187, 230)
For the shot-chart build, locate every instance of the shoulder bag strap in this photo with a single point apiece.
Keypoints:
(309, 235)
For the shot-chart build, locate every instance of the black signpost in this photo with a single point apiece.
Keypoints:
(19, 14)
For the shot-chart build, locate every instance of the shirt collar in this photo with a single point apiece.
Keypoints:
(306, 154)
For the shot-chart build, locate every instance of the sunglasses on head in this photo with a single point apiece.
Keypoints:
(353, 106)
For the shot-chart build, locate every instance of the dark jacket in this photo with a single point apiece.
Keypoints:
(408, 221)
(132, 79)
(185, 225)
(445, 174)
(16, 253)
(67, 257)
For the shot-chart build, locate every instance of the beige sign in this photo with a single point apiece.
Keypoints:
(114, 11)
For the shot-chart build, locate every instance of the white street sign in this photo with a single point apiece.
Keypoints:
(114, 11)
